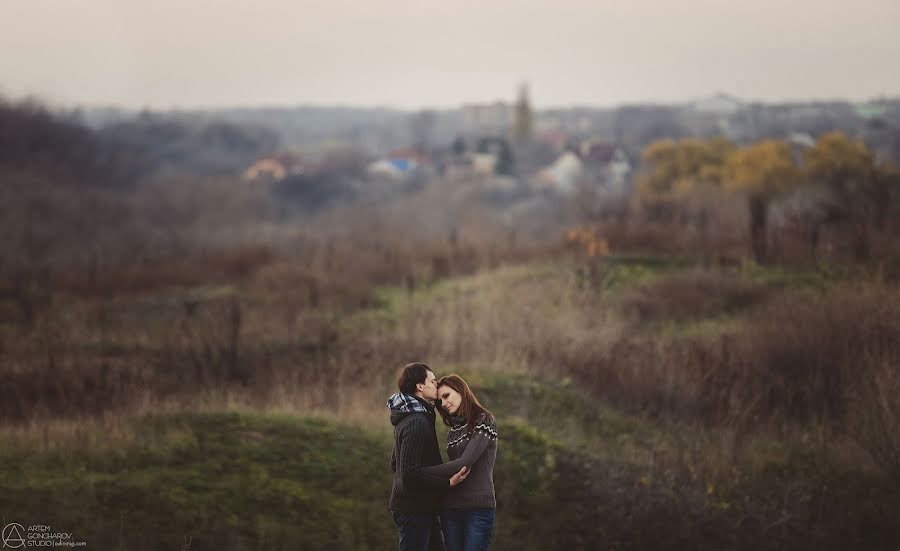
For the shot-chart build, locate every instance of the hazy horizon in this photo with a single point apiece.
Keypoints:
(409, 55)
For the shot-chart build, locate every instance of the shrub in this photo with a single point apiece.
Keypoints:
(691, 295)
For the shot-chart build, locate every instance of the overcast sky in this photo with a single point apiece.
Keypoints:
(417, 53)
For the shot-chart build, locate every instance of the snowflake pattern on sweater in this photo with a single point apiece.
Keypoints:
(458, 434)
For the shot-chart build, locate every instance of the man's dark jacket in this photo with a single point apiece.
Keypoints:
(415, 447)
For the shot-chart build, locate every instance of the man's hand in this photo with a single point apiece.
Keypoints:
(459, 477)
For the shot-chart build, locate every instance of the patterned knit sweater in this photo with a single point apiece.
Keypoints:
(478, 451)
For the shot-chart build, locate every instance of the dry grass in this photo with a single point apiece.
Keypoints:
(692, 294)
(114, 428)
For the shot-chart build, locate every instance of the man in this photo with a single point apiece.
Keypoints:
(416, 494)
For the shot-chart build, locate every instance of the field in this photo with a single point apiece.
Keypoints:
(644, 402)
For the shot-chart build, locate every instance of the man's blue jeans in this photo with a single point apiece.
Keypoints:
(419, 532)
(467, 529)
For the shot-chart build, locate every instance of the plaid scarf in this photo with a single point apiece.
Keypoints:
(405, 403)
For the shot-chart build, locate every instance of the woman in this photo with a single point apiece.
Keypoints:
(467, 518)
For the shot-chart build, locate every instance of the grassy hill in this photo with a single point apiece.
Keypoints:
(570, 474)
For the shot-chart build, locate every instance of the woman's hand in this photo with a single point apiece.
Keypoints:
(459, 477)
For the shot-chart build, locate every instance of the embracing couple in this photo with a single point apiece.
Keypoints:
(436, 505)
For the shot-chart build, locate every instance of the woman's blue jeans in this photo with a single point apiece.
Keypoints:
(467, 529)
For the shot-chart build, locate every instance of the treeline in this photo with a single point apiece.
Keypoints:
(55, 147)
(59, 147)
(834, 188)
(181, 146)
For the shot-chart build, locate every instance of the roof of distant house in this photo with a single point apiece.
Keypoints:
(720, 103)
(802, 139)
(598, 152)
(408, 154)
(278, 166)
(870, 110)
(268, 168)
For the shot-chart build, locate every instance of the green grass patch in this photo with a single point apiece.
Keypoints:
(227, 481)
(622, 271)
(784, 277)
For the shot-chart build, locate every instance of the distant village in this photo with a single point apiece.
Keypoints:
(562, 150)
(508, 144)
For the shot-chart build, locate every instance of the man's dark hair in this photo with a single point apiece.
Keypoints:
(413, 374)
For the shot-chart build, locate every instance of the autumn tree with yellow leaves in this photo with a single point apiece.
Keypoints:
(674, 168)
(678, 176)
(859, 190)
(760, 172)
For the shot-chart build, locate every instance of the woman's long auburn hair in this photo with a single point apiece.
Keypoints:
(469, 408)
